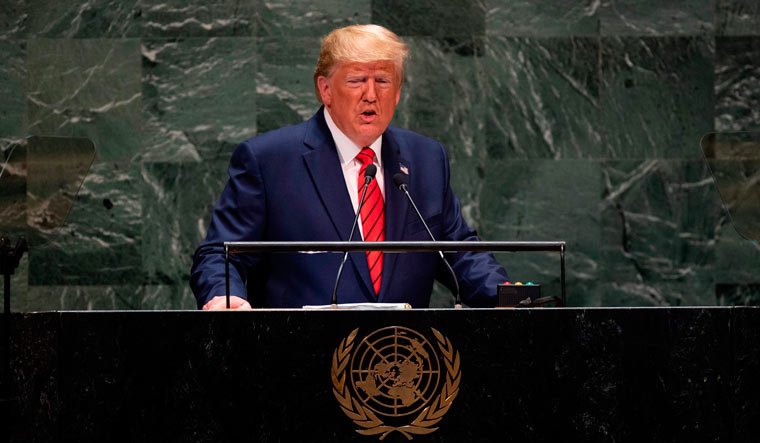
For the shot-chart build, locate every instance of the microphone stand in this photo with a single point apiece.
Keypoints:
(403, 187)
(369, 174)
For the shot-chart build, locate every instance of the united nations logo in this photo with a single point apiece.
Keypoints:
(397, 374)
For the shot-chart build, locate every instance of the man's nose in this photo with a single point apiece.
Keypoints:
(370, 94)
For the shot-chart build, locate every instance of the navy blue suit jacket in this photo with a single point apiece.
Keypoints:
(287, 185)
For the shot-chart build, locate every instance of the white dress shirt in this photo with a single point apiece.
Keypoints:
(347, 152)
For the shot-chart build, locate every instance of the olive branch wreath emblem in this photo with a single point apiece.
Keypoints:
(368, 420)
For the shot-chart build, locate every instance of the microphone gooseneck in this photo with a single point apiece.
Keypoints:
(399, 179)
(369, 175)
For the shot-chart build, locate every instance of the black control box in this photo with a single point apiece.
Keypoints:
(512, 295)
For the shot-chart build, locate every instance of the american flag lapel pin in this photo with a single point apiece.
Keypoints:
(403, 168)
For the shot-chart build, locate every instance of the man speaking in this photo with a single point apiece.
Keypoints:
(304, 183)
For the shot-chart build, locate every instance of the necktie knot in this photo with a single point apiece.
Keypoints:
(366, 156)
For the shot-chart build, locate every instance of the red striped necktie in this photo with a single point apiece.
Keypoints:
(373, 218)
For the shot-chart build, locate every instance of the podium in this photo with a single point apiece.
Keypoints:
(524, 375)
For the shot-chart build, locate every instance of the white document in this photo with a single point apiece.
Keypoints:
(363, 306)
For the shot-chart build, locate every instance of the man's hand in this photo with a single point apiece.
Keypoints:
(220, 304)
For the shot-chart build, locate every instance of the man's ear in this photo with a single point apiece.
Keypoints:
(324, 90)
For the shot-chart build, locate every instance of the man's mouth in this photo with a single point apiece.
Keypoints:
(368, 115)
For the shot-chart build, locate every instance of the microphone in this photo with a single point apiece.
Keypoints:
(369, 174)
(399, 179)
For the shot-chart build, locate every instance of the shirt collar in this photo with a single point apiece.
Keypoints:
(347, 149)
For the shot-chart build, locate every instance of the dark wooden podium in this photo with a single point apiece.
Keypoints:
(524, 375)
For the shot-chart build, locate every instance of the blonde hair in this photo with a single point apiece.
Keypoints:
(362, 44)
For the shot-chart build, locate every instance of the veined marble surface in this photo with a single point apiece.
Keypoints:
(575, 121)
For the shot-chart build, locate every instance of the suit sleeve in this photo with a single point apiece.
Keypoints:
(478, 273)
(239, 215)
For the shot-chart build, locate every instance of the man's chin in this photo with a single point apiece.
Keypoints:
(368, 134)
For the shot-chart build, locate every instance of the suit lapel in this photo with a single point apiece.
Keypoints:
(324, 168)
(396, 206)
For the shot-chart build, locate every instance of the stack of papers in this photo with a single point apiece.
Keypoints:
(362, 306)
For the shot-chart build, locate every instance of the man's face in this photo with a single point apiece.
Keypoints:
(361, 98)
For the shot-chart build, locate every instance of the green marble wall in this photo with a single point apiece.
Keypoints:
(566, 120)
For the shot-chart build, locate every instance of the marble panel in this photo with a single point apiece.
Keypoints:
(100, 243)
(13, 186)
(655, 17)
(284, 81)
(441, 297)
(199, 97)
(737, 84)
(198, 18)
(97, 297)
(13, 208)
(657, 96)
(542, 18)
(737, 259)
(442, 18)
(734, 161)
(440, 99)
(614, 98)
(20, 286)
(87, 88)
(168, 297)
(177, 200)
(13, 91)
(88, 19)
(13, 18)
(616, 291)
(738, 17)
(737, 294)
(541, 97)
(309, 17)
(82, 298)
(659, 220)
(546, 200)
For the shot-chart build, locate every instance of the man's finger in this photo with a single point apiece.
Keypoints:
(220, 303)
(245, 306)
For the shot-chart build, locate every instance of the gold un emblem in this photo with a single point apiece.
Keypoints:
(394, 380)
